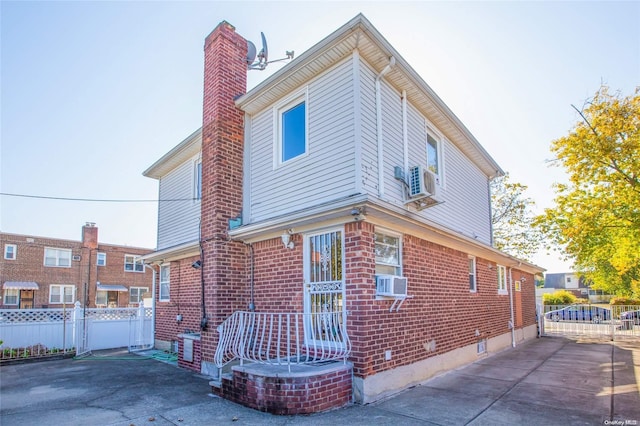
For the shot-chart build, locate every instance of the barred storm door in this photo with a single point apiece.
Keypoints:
(324, 289)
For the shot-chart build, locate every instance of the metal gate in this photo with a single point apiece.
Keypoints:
(612, 322)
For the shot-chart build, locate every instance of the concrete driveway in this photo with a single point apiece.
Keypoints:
(548, 381)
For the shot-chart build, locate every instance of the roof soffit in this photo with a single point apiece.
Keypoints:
(188, 148)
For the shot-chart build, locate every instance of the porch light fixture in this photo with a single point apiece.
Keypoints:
(196, 265)
(286, 240)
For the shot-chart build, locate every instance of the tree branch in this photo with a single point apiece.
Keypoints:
(585, 120)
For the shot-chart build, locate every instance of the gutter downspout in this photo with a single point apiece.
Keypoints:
(391, 64)
(405, 131)
(511, 322)
(153, 305)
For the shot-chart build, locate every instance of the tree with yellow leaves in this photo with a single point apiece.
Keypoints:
(596, 218)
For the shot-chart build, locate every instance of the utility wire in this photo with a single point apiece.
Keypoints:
(97, 200)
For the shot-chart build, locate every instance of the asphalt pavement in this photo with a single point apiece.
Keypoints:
(546, 381)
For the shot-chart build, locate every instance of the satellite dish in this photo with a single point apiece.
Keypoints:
(263, 56)
(251, 53)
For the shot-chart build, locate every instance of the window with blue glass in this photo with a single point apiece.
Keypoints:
(293, 132)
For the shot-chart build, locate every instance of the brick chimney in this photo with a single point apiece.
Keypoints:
(90, 236)
(225, 78)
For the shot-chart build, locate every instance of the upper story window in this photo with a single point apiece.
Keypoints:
(131, 264)
(502, 280)
(473, 285)
(10, 251)
(292, 141)
(57, 257)
(388, 254)
(434, 155)
(164, 283)
(101, 259)
(197, 180)
(59, 294)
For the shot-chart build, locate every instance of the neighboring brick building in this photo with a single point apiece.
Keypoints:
(40, 272)
(339, 174)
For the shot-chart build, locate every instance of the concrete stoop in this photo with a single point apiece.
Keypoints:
(278, 389)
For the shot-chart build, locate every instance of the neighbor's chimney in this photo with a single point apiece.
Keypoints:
(90, 235)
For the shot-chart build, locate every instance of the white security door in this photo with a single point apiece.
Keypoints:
(324, 292)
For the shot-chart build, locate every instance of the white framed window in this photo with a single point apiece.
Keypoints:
(165, 285)
(473, 284)
(11, 296)
(131, 264)
(59, 294)
(388, 253)
(435, 162)
(102, 297)
(55, 257)
(197, 180)
(10, 252)
(136, 293)
(502, 279)
(291, 127)
(101, 259)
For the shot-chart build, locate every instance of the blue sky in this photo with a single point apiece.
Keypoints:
(92, 93)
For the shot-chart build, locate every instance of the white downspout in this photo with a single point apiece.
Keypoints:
(391, 64)
(405, 131)
(153, 306)
(511, 322)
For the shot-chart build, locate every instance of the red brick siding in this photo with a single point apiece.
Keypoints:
(289, 395)
(29, 266)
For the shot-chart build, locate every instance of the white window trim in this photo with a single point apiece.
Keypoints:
(140, 293)
(58, 250)
(440, 152)
(62, 292)
(17, 296)
(475, 275)
(502, 270)
(167, 297)
(134, 263)
(194, 192)
(395, 235)
(106, 297)
(104, 255)
(278, 109)
(15, 251)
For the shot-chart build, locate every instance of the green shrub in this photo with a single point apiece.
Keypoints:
(621, 300)
(559, 297)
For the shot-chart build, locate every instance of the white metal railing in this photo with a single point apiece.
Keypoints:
(610, 321)
(282, 338)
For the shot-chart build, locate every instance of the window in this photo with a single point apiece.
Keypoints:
(388, 259)
(11, 296)
(136, 293)
(10, 252)
(101, 297)
(101, 260)
(502, 279)
(434, 156)
(164, 283)
(197, 180)
(59, 294)
(472, 274)
(57, 257)
(131, 264)
(291, 128)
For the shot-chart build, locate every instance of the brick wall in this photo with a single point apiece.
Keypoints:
(29, 266)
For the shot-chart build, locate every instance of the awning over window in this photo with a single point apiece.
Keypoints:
(20, 285)
(112, 287)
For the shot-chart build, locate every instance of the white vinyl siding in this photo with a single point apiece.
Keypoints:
(178, 220)
(327, 171)
(464, 188)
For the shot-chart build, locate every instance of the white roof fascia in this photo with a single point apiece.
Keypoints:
(180, 153)
(192, 248)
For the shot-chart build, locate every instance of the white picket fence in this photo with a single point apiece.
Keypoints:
(33, 332)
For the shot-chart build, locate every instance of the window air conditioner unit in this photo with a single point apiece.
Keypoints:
(76, 257)
(432, 184)
(391, 285)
